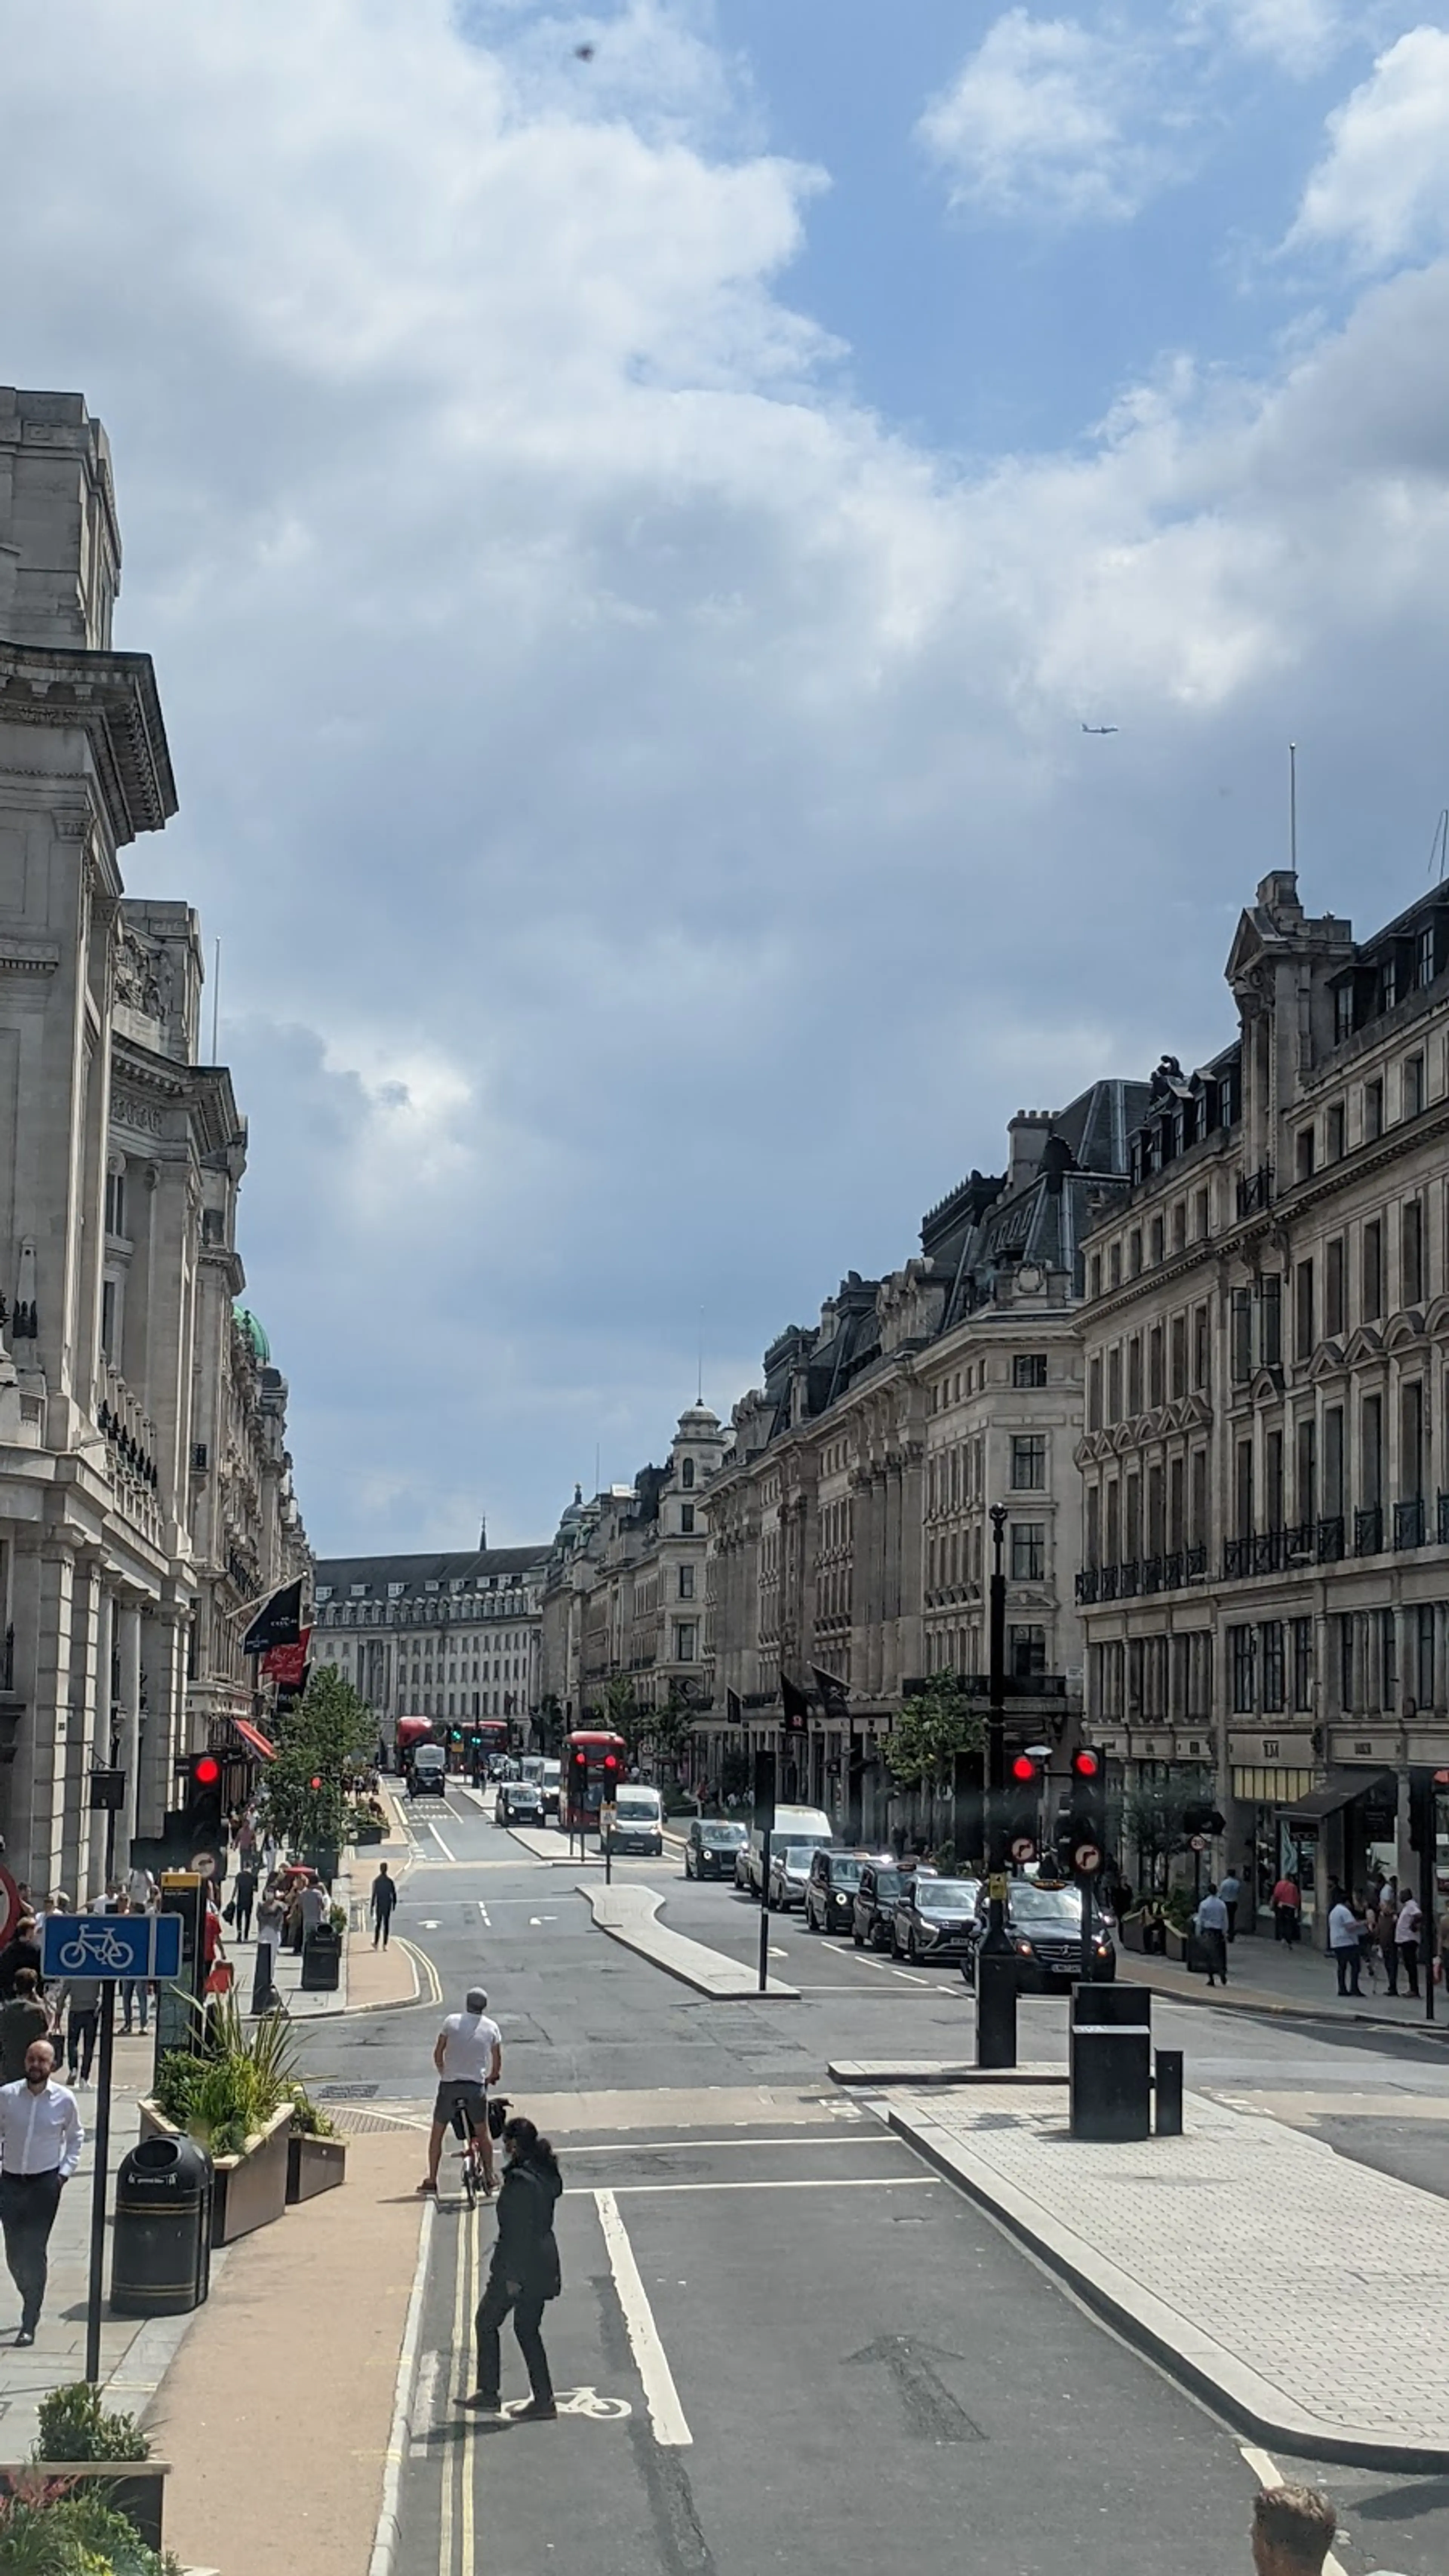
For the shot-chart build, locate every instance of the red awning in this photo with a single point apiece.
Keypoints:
(253, 1738)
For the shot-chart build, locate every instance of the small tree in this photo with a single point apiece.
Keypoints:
(1154, 1821)
(937, 1724)
(671, 1727)
(322, 1739)
(548, 1724)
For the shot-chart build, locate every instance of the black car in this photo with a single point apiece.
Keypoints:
(519, 1802)
(881, 1883)
(830, 1889)
(710, 1848)
(428, 1778)
(935, 1918)
(1044, 1927)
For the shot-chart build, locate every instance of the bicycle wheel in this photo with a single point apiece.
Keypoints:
(470, 2171)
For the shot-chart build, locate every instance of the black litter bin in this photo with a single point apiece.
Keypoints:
(161, 2245)
(321, 1960)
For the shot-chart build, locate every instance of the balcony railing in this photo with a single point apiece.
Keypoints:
(1129, 1575)
(1409, 1523)
(1330, 1539)
(131, 1470)
(7, 1661)
(1368, 1530)
(1255, 1191)
(1167, 1573)
(1443, 1520)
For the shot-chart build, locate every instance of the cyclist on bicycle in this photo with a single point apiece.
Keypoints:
(469, 2058)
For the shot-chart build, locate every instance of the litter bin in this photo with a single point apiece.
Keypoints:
(161, 2243)
(1111, 2080)
(321, 1960)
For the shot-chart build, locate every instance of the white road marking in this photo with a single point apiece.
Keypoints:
(743, 2146)
(438, 1839)
(429, 1924)
(817, 2182)
(661, 2396)
(487, 1918)
(1268, 2474)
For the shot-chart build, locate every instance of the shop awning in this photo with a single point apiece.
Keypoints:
(1327, 1802)
(254, 1740)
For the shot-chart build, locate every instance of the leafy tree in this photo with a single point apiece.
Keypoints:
(671, 1727)
(548, 1725)
(326, 1738)
(937, 1723)
(623, 1715)
(1153, 1820)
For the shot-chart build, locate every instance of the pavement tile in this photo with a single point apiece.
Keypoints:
(1250, 2251)
(1268, 1977)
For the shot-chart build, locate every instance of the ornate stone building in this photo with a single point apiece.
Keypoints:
(849, 1527)
(452, 1636)
(120, 1156)
(1266, 1576)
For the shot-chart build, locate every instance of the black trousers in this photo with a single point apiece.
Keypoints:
(1231, 1903)
(527, 2307)
(1409, 1953)
(1347, 1964)
(80, 2039)
(28, 2203)
(244, 1904)
(381, 1925)
(1215, 1951)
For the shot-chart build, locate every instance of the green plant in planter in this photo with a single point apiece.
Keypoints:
(56, 2531)
(309, 2120)
(230, 2090)
(74, 2425)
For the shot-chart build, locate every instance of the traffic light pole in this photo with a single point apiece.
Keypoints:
(995, 1959)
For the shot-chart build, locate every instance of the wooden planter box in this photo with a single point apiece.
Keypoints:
(370, 1834)
(313, 2165)
(247, 2191)
(1177, 1946)
(136, 2488)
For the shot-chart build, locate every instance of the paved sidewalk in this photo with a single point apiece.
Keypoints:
(1267, 1976)
(1244, 2256)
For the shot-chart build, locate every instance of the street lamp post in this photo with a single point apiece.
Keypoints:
(995, 1958)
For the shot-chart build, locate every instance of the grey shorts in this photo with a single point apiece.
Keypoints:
(455, 2096)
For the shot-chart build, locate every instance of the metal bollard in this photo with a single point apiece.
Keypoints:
(1168, 2085)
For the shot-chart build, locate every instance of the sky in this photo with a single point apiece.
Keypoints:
(632, 509)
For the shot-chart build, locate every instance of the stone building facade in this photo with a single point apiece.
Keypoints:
(451, 1636)
(624, 1591)
(120, 1157)
(1265, 1585)
(849, 1526)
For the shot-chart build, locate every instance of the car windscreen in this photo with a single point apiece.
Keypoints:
(726, 1837)
(1028, 1905)
(637, 1803)
(845, 1873)
(888, 1882)
(946, 1895)
(798, 1856)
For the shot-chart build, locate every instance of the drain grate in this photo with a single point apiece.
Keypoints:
(343, 2092)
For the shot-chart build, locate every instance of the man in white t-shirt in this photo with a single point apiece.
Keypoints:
(469, 2057)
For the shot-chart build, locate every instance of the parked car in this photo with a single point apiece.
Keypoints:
(881, 1883)
(712, 1848)
(789, 1873)
(830, 1889)
(1044, 1926)
(638, 1822)
(519, 1802)
(428, 1772)
(935, 1918)
(792, 1825)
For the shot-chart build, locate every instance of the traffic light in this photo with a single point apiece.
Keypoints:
(611, 1764)
(1087, 1812)
(1025, 1773)
(203, 1802)
(1203, 1819)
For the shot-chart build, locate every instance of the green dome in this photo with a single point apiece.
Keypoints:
(261, 1347)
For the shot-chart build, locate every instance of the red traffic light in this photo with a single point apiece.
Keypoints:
(1086, 1765)
(1022, 1767)
(206, 1770)
(611, 1762)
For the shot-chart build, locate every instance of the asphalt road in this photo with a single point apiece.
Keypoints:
(783, 2340)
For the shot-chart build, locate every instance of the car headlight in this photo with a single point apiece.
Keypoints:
(930, 1932)
(1025, 1948)
(1104, 1949)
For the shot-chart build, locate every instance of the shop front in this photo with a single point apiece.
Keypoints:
(1269, 1775)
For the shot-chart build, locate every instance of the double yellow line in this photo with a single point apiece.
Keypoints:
(459, 2465)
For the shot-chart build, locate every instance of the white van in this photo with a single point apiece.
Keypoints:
(638, 1821)
(792, 1825)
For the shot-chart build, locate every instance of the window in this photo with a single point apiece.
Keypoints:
(1095, 1289)
(1027, 1653)
(1134, 1375)
(1028, 1551)
(108, 1318)
(1029, 1368)
(1371, 1451)
(1159, 1245)
(1201, 1348)
(1270, 1637)
(1134, 1252)
(1094, 1392)
(1243, 1488)
(686, 1583)
(116, 1201)
(1412, 1088)
(1094, 1525)
(1333, 1134)
(1411, 1440)
(1302, 1632)
(1388, 1657)
(1200, 1215)
(1198, 1488)
(1333, 1460)
(1373, 1271)
(1346, 1694)
(686, 1520)
(1179, 1356)
(1154, 1511)
(1305, 1502)
(686, 1474)
(1373, 1111)
(1303, 1154)
(1242, 1336)
(1424, 956)
(685, 1634)
(1303, 1311)
(1273, 1478)
(1333, 1291)
(1242, 1654)
(1411, 1253)
(1114, 1265)
(1156, 1365)
(1271, 1319)
(1343, 1012)
(1179, 1226)
(1028, 1462)
(1424, 1656)
(1114, 1383)
(1176, 1532)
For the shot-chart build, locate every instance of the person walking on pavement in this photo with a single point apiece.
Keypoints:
(1287, 1908)
(1407, 1927)
(1344, 1932)
(40, 2143)
(1230, 1888)
(1388, 1931)
(523, 2276)
(1294, 2529)
(21, 1951)
(269, 1941)
(135, 1991)
(468, 2054)
(381, 1904)
(23, 2019)
(1211, 1925)
(79, 2001)
(243, 1898)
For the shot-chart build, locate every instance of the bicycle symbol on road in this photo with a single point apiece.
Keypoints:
(96, 1946)
(580, 2401)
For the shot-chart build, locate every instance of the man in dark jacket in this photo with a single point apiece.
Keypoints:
(524, 2274)
(23, 1951)
(381, 1903)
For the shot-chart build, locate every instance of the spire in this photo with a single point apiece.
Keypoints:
(483, 1534)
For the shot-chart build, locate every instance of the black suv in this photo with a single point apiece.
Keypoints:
(710, 1847)
(881, 1884)
(830, 1889)
(935, 1918)
(1044, 1927)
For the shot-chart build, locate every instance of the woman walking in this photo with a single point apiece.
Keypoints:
(524, 2274)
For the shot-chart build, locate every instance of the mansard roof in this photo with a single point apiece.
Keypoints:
(473, 1568)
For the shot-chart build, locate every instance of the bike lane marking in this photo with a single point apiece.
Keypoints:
(666, 2415)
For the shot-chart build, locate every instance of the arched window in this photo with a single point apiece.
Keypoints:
(686, 1474)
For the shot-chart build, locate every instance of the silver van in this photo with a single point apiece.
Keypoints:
(638, 1821)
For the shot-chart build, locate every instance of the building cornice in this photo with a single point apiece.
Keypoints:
(113, 699)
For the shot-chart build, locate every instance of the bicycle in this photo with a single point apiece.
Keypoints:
(474, 2172)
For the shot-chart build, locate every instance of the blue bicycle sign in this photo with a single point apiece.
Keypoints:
(111, 1946)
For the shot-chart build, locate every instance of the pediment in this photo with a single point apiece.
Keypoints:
(1266, 1385)
(1436, 1318)
(1404, 1329)
(1327, 1361)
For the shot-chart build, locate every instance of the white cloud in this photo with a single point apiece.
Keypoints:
(1298, 36)
(1382, 188)
(1047, 119)
(641, 798)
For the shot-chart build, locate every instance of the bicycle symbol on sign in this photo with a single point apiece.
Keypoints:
(96, 1946)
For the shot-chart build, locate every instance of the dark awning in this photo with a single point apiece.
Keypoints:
(1327, 1802)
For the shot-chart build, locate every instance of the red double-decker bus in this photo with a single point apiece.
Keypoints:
(592, 1768)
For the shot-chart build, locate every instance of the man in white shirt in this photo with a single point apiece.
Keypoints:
(1212, 1932)
(468, 2055)
(40, 2144)
(1406, 1941)
(1345, 1933)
